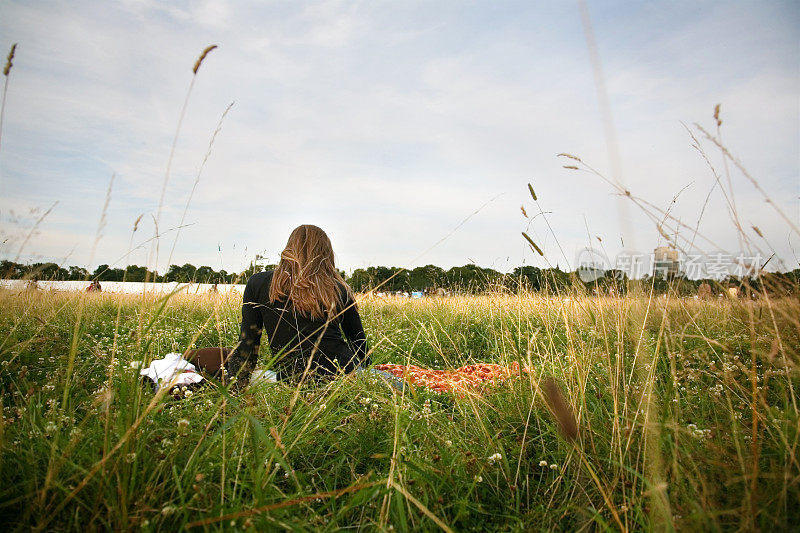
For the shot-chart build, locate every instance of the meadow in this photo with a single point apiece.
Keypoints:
(687, 415)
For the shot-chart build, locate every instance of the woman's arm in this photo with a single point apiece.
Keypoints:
(354, 331)
(242, 360)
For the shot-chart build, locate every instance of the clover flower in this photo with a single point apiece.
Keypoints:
(699, 433)
(494, 458)
(426, 407)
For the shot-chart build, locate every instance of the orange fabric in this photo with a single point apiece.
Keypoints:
(468, 377)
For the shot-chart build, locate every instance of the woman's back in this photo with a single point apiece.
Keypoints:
(295, 336)
(303, 306)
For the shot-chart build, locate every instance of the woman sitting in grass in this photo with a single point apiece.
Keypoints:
(303, 306)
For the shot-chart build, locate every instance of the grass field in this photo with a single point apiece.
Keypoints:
(687, 414)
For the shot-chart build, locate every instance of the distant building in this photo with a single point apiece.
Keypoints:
(666, 262)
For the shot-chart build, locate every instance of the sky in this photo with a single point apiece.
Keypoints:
(408, 131)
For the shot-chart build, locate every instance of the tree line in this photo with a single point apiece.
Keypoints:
(474, 279)
(467, 278)
(183, 274)
(462, 279)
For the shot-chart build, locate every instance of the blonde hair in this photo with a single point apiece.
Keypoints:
(306, 274)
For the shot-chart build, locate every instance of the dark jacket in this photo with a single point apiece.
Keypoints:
(295, 337)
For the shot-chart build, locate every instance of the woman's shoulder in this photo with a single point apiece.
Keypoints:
(260, 279)
(345, 292)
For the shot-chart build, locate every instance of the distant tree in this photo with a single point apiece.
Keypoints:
(680, 286)
(77, 273)
(48, 271)
(11, 270)
(529, 277)
(139, 274)
(778, 284)
(249, 271)
(472, 278)
(360, 280)
(398, 280)
(181, 274)
(379, 277)
(612, 282)
(102, 273)
(426, 277)
(224, 277)
(206, 274)
(189, 273)
(556, 281)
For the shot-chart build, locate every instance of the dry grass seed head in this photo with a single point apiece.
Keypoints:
(9, 60)
(533, 244)
(202, 57)
(533, 194)
(560, 408)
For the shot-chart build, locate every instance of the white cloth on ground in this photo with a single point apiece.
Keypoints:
(261, 375)
(172, 370)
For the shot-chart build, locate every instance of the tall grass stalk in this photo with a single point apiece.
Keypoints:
(195, 68)
(6, 72)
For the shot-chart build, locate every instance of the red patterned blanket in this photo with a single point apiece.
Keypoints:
(470, 377)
